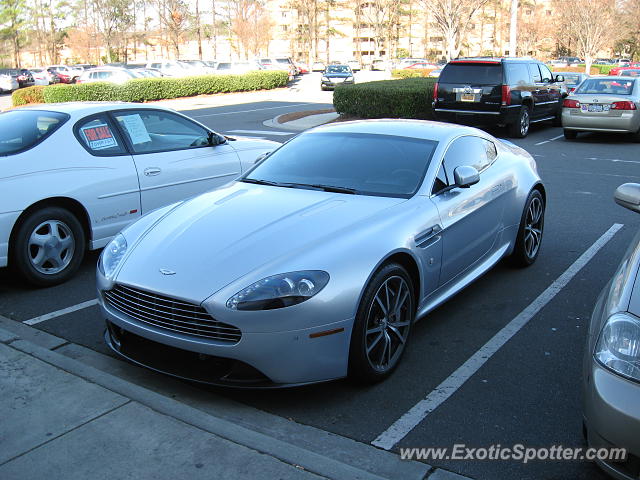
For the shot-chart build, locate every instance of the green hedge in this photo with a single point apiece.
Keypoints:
(146, 89)
(412, 73)
(28, 95)
(602, 69)
(406, 98)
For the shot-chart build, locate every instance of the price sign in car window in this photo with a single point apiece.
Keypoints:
(136, 128)
(99, 137)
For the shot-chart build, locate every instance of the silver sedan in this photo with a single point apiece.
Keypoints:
(611, 381)
(603, 104)
(315, 264)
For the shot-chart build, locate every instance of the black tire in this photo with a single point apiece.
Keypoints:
(557, 120)
(524, 254)
(636, 136)
(520, 128)
(570, 134)
(71, 252)
(391, 328)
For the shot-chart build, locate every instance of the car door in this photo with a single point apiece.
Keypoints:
(554, 91)
(471, 218)
(173, 156)
(107, 179)
(539, 92)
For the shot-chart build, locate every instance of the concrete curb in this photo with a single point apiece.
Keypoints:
(42, 346)
(301, 124)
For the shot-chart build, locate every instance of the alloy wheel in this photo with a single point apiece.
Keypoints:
(524, 122)
(51, 247)
(388, 323)
(533, 227)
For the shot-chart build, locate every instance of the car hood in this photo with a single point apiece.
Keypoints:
(220, 236)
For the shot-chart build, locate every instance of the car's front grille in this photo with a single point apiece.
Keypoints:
(169, 313)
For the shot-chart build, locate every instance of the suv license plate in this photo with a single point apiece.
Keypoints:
(467, 97)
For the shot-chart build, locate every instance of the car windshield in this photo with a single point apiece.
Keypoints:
(570, 79)
(338, 69)
(367, 164)
(23, 129)
(606, 85)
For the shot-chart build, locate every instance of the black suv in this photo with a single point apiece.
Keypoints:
(498, 91)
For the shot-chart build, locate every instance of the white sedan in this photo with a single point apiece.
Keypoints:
(73, 175)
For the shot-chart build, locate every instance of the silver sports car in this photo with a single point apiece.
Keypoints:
(315, 264)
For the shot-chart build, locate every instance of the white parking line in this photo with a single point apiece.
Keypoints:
(59, 313)
(450, 385)
(253, 110)
(614, 160)
(550, 140)
(262, 132)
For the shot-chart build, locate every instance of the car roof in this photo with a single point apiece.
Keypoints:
(493, 59)
(422, 129)
(82, 109)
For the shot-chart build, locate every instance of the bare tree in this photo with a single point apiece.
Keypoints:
(452, 19)
(174, 17)
(592, 26)
(250, 26)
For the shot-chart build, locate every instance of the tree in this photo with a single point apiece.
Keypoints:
(629, 43)
(452, 19)
(12, 21)
(592, 27)
(174, 17)
(250, 26)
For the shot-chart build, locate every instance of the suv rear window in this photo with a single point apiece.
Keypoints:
(475, 73)
(21, 130)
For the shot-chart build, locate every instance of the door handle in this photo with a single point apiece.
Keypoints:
(152, 171)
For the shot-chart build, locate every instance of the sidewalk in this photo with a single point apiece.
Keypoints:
(67, 420)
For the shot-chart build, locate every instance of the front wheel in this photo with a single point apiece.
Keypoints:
(520, 128)
(530, 231)
(382, 325)
(48, 247)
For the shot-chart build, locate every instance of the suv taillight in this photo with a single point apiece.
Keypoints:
(624, 105)
(435, 92)
(568, 103)
(506, 95)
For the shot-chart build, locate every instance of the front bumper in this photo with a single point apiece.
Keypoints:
(333, 83)
(627, 122)
(258, 360)
(612, 418)
(500, 116)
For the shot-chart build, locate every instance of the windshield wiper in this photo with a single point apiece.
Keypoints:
(257, 181)
(333, 188)
(326, 188)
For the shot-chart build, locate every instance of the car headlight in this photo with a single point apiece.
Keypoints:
(618, 347)
(112, 255)
(349, 79)
(279, 291)
(325, 79)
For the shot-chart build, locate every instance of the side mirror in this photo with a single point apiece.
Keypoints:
(628, 195)
(465, 176)
(559, 78)
(261, 158)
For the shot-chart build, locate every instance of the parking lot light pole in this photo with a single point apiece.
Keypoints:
(513, 29)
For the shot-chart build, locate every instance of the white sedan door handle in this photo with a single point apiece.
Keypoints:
(152, 171)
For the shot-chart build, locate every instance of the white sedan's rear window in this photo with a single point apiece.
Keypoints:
(606, 86)
(21, 130)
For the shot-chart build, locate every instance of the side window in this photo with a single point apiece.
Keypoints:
(97, 136)
(546, 74)
(517, 73)
(473, 151)
(441, 180)
(157, 131)
(535, 73)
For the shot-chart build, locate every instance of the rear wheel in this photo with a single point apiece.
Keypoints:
(530, 231)
(48, 247)
(520, 128)
(636, 136)
(570, 134)
(382, 325)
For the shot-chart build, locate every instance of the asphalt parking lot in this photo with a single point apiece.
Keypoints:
(527, 392)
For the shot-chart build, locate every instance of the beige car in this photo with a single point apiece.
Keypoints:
(603, 104)
(611, 369)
